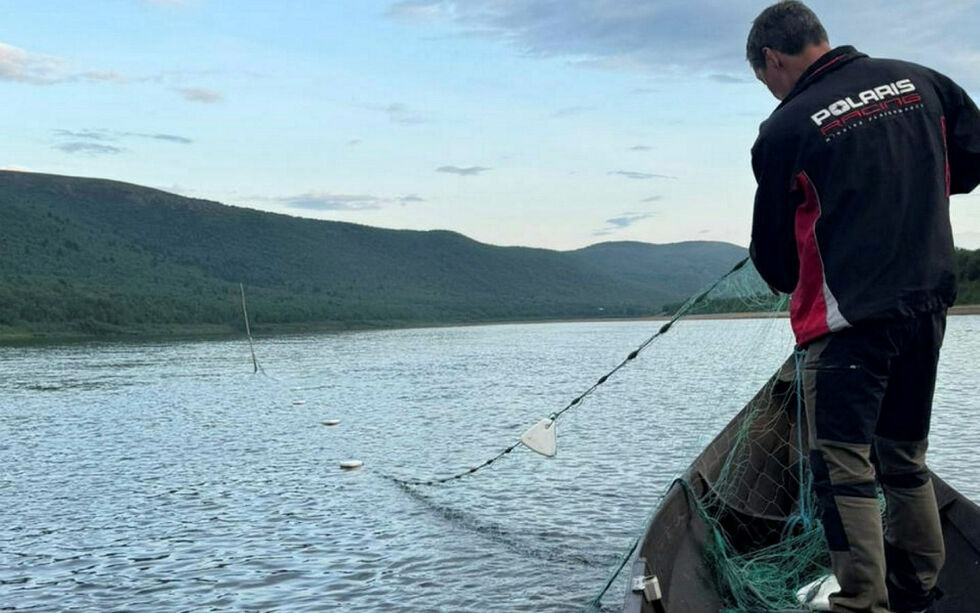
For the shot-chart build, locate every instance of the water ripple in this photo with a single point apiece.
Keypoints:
(164, 476)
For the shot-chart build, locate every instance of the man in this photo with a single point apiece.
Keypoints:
(854, 169)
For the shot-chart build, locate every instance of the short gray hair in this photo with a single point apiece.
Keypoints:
(787, 27)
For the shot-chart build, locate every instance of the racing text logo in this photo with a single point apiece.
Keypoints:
(865, 104)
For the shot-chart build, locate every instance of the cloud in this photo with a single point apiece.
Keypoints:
(16, 168)
(88, 148)
(700, 37)
(621, 222)
(572, 110)
(108, 76)
(628, 219)
(641, 148)
(200, 94)
(629, 174)
(115, 135)
(22, 66)
(324, 201)
(354, 142)
(87, 134)
(726, 78)
(172, 138)
(469, 171)
(401, 114)
(316, 201)
(652, 199)
(620, 35)
(416, 11)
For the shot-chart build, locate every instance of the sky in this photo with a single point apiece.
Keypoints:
(543, 123)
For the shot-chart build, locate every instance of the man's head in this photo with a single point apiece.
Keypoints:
(784, 40)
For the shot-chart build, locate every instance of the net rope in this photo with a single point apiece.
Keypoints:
(701, 299)
(764, 539)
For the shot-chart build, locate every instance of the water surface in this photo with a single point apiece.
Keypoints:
(165, 476)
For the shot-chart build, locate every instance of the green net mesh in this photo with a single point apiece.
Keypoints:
(751, 487)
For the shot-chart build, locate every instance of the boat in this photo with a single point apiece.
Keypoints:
(671, 571)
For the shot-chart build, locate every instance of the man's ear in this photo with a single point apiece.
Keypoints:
(773, 60)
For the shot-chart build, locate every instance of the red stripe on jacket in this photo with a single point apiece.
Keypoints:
(808, 309)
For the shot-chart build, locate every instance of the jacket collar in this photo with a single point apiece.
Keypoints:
(828, 62)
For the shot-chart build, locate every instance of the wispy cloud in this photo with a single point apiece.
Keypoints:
(200, 94)
(315, 201)
(571, 111)
(653, 199)
(699, 37)
(641, 148)
(401, 114)
(468, 171)
(726, 78)
(354, 142)
(629, 174)
(628, 219)
(87, 134)
(88, 148)
(22, 66)
(621, 35)
(108, 76)
(621, 222)
(418, 10)
(104, 135)
(325, 201)
(172, 138)
(16, 64)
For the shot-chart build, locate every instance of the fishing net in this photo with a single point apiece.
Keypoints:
(750, 488)
(765, 541)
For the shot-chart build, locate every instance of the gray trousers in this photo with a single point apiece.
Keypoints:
(868, 393)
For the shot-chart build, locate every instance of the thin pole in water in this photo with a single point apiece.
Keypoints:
(248, 331)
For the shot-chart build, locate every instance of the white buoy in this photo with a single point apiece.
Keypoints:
(542, 438)
(298, 402)
(351, 464)
(330, 422)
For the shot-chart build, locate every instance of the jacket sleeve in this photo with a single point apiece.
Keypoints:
(773, 247)
(962, 121)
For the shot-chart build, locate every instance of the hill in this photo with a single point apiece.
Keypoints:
(94, 255)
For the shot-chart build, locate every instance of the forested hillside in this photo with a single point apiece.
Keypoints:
(101, 256)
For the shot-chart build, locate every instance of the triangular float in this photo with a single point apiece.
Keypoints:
(541, 438)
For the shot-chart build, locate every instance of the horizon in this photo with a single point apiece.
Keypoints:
(504, 121)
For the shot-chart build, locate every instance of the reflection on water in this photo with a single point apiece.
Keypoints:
(165, 476)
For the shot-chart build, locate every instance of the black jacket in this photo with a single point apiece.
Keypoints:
(855, 168)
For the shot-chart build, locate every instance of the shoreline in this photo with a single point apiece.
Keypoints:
(966, 309)
(13, 336)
